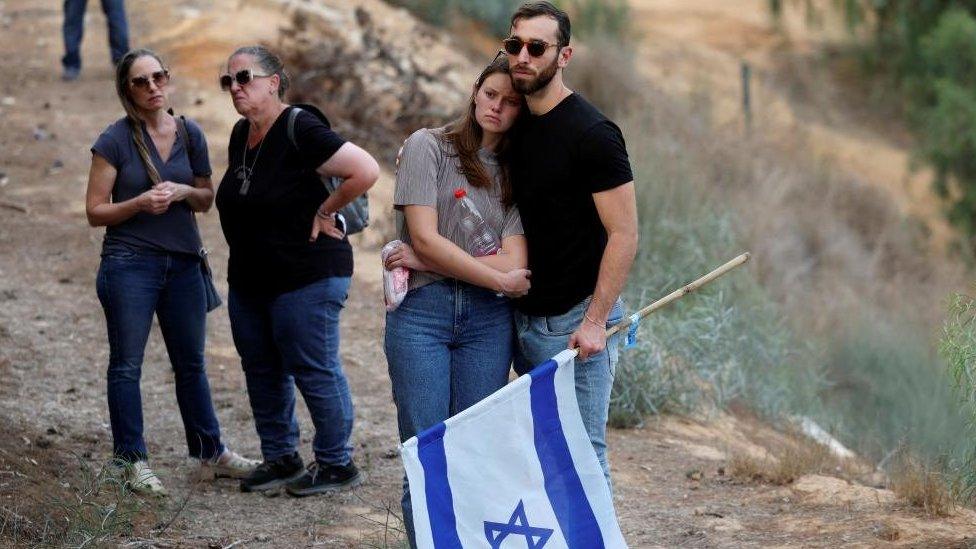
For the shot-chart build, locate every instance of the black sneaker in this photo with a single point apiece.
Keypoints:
(273, 474)
(323, 479)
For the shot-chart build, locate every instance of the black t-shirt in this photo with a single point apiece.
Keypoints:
(558, 161)
(267, 228)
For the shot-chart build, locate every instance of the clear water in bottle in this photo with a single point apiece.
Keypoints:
(481, 240)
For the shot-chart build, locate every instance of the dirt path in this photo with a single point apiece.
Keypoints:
(53, 351)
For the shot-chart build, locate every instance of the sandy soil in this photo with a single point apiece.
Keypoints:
(53, 351)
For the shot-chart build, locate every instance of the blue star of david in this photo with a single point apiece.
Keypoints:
(518, 524)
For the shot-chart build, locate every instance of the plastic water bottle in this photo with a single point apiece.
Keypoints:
(480, 238)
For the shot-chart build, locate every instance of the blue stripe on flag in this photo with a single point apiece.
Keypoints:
(563, 485)
(440, 502)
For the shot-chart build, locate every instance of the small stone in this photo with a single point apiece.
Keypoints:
(8, 101)
(694, 474)
(4, 179)
(47, 105)
(64, 280)
(71, 390)
(40, 134)
(53, 431)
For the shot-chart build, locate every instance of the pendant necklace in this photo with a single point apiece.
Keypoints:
(244, 173)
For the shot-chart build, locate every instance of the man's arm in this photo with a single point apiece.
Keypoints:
(617, 208)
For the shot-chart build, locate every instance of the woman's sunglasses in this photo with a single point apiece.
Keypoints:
(159, 78)
(513, 46)
(241, 77)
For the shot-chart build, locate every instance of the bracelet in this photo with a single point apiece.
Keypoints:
(319, 213)
(593, 322)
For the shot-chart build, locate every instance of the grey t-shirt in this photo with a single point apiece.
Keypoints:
(173, 230)
(428, 173)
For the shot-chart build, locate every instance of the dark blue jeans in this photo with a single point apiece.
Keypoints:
(448, 345)
(74, 29)
(132, 286)
(293, 339)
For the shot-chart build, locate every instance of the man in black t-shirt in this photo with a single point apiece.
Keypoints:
(575, 191)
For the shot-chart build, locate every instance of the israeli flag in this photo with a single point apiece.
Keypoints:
(515, 470)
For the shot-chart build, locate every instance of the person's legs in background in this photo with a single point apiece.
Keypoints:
(73, 29)
(118, 28)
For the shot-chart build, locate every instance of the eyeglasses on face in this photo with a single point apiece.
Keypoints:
(159, 78)
(513, 46)
(242, 77)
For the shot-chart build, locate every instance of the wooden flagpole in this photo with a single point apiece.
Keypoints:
(679, 293)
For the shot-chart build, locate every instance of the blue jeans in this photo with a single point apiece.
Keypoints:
(132, 285)
(293, 339)
(542, 337)
(448, 345)
(74, 29)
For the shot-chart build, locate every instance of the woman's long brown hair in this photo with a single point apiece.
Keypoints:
(465, 135)
(131, 114)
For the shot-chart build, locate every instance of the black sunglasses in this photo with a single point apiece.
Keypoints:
(159, 78)
(513, 46)
(242, 77)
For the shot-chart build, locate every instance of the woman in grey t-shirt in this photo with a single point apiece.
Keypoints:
(450, 342)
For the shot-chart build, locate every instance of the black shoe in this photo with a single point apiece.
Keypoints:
(322, 479)
(273, 474)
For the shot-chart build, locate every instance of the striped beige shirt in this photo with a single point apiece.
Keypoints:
(428, 174)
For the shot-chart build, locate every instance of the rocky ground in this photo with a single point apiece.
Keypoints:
(672, 477)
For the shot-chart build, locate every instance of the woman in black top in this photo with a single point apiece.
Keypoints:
(289, 271)
(146, 181)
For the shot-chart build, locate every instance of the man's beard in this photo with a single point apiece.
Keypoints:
(528, 87)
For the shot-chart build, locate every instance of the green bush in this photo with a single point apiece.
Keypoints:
(944, 111)
(728, 342)
(888, 389)
(958, 348)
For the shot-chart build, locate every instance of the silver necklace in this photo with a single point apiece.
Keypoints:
(244, 173)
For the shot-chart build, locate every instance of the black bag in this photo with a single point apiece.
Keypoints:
(213, 297)
(355, 215)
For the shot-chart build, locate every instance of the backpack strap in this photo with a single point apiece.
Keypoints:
(185, 135)
(292, 116)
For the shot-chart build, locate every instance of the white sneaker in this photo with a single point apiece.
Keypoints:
(142, 480)
(229, 464)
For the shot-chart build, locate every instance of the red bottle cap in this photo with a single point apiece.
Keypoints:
(460, 193)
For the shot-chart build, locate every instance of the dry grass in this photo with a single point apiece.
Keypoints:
(923, 486)
(790, 459)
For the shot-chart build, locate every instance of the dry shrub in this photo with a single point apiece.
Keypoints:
(922, 486)
(603, 72)
(792, 457)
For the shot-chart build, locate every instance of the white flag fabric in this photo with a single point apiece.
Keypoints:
(515, 470)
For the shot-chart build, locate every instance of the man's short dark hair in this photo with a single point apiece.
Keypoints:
(537, 9)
